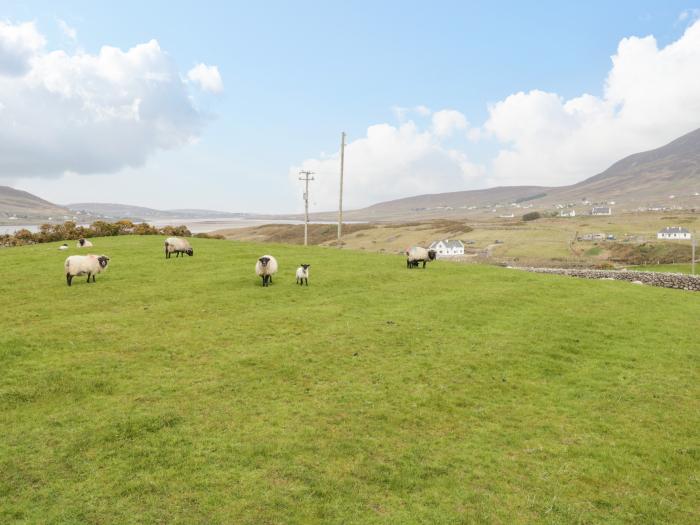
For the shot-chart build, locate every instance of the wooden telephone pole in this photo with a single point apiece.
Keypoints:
(340, 204)
(306, 178)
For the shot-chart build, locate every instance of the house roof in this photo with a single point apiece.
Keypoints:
(448, 243)
(674, 229)
(601, 210)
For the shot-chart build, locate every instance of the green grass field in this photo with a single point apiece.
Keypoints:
(672, 268)
(181, 391)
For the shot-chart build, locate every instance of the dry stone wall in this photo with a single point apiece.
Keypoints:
(680, 281)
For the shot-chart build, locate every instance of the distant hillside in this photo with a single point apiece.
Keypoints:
(125, 211)
(24, 205)
(643, 179)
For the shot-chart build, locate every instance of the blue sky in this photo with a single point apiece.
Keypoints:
(296, 74)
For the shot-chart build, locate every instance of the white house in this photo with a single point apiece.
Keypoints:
(674, 233)
(567, 213)
(601, 211)
(447, 248)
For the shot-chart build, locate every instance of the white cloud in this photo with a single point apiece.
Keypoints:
(207, 77)
(446, 121)
(18, 44)
(390, 162)
(651, 96)
(67, 30)
(89, 113)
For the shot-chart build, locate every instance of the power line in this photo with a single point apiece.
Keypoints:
(306, 178)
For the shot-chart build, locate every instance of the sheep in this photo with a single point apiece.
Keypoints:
(85, 264)
(63, 247)
(265, 268)
(178, 246)
(303, 274)
(416, 255)
(83, 243)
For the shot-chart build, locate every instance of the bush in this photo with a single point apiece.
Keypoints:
(532, 216)
(70, 231)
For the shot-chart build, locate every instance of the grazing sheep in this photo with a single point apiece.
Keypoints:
(303, 274)
(417, 255)
(177, 246)
(63, 247)
(85, 264)
(265, 268)
(83, 243)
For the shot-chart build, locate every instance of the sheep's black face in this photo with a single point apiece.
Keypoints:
(432, 254)
(305, 266)
(82, 242)
(103, 260)
(190, 252)
(264, 261)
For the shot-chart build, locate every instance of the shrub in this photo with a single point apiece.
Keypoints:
(532, 216)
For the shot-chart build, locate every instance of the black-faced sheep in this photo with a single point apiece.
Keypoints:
(85, 264)
(265, 267)
(63, 247)
(303, 274)
(417, 255)
(83, 243)
(177, 246)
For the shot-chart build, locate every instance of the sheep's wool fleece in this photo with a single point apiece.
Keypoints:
(418, 254)
(271, 266)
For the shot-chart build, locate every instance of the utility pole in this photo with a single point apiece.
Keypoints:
(340, 204)
(306, 178)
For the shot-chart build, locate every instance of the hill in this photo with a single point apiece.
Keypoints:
(127, 211)
(640, 180)
(24, 205)
(181, 391)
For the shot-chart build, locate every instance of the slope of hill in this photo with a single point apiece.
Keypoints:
(643, 179)
(455, 394)
(22, 204)
(126, 211)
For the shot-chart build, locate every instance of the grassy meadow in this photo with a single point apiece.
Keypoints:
(180, 391)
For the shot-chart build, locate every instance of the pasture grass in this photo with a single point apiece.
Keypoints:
(181, 391)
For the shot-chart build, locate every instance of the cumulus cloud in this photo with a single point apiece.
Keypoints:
(67, 30)
(207, 77)
(447, 121)
(18, 44)
(650, 97)
(389, 162)
(87, 113)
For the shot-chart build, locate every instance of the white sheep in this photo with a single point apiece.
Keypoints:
(178, 246)
(303, 274)
(85, 264)
(83, 243)
(63, 247)
(416, 255)
(265, 267)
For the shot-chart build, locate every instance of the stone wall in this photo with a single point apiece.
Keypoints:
(680, 281)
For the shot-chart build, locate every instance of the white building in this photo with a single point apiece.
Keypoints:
(567, 213)
(447, 248)
(674, 233)
(601, 211)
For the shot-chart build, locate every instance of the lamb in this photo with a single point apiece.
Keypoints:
(178, 246)
(416, 255)
(83, 243)
(303, 274)
(63, 247)
(85, 264)
(265, 268)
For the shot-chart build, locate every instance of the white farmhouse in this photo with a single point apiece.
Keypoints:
(601, 211)
(447, 248)
(674, 233)
(567, 213)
